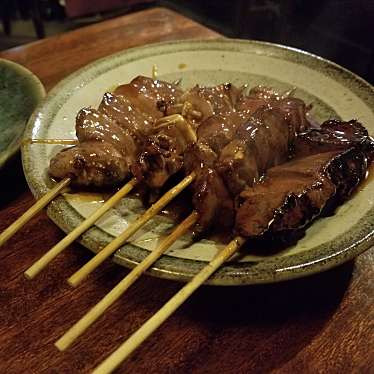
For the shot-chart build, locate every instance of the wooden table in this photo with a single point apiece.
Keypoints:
(320, 324)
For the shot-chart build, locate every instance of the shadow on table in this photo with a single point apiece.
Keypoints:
(281, 318)
(13, 180)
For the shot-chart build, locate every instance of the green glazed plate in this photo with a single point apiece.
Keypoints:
(20, 92)
(333, 91)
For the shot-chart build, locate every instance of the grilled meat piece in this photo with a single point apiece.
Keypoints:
(212, 201)
(212, 100)
(211, 198)
(158, 161)
(261, 142)
(150, 95)
(115, 125)
(295, 112)
(334, 135)
(240, 150)
(199, 156)
(329, 164)
(162, 154)
(293, 194)
(93, 125)
(257, 97)
(96, 164)
(119, 128)
(127, 115)
(219, 129)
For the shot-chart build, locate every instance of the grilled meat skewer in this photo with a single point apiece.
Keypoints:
(234, 147)
(329, 164)
(223, 109)
(214, 134)
(111, 137)
(210, 101)
(146, 94)
(124, 125)
(243, 155)
(163, 155)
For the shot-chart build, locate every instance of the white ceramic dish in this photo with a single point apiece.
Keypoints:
(334, 92)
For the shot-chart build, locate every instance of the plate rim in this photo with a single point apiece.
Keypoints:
(228, 274)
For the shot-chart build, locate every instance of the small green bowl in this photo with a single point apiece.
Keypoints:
(20, 93)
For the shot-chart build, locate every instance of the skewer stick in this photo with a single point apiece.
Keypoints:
(78, 276)
(177, 82)
(31, 212)
(154, 72)
(168, 120)
(93, 314)
(51, 141)
(79, 230)
(181, 123)
(115, 359)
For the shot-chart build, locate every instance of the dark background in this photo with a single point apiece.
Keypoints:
(340, 30)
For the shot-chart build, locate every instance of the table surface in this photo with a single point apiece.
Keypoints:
(323, 323)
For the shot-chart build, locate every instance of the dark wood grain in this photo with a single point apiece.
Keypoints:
(321, 324)
(58, 56)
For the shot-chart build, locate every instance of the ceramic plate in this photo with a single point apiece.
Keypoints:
(333, 91)
(20, 92)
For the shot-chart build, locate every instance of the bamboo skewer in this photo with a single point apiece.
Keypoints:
(154, 72)
(59, 247)
(180, 122)
(78, 276)
(93, 314)
(121, 353)
(51, 141)
(31, 212)
(79, 230)
(177, 82)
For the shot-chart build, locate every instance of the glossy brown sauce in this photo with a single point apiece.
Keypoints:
(88, 197)
(181, 206)
(368, 179)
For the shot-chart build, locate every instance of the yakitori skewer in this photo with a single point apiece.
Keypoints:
(329, 166)
(79, 230)
(119, 355)
(154, 72)
(78, 276)
(31, 212)
(93, 314)
(58, 248)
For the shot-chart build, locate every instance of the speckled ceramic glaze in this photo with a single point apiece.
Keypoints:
(20, 93)
(333, 91)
